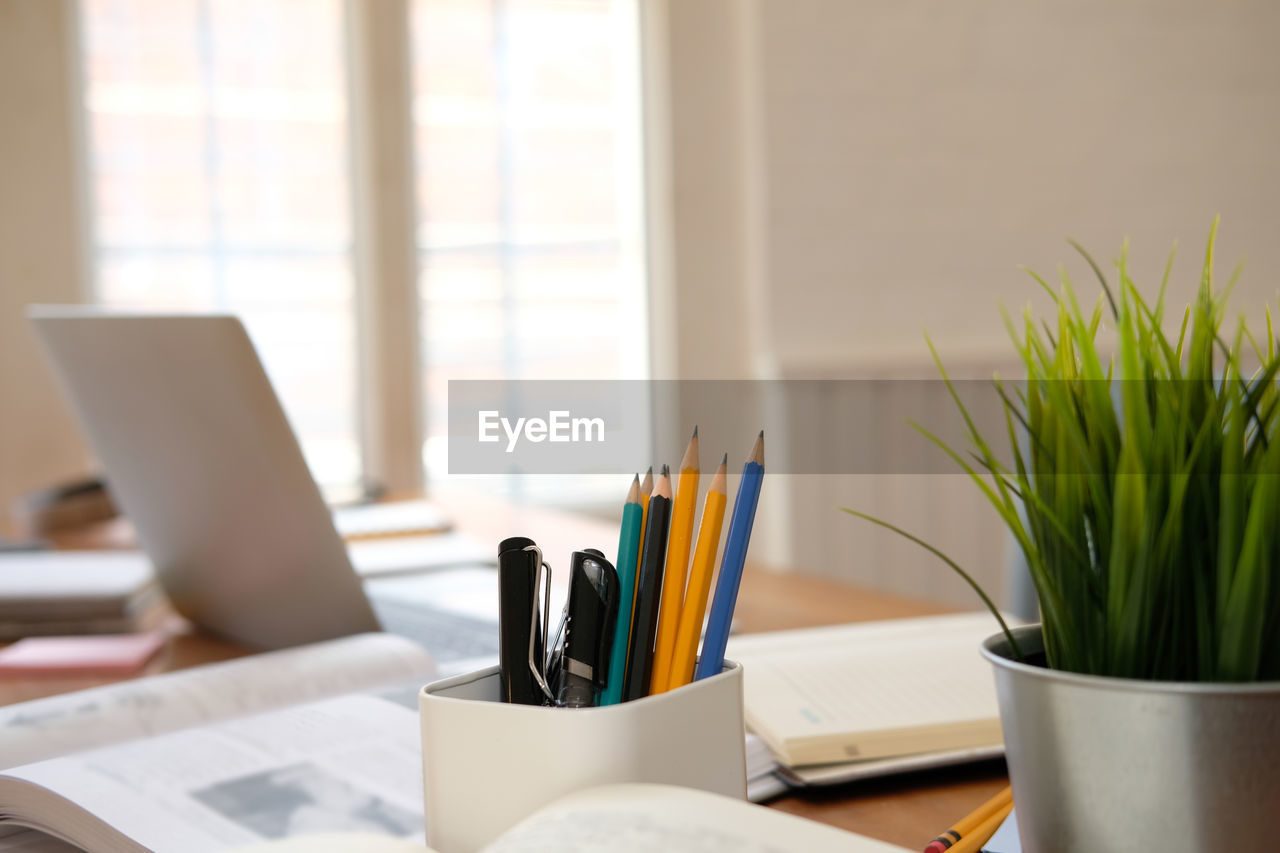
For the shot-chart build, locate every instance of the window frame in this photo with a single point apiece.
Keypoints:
(384, 256)
(384, 249)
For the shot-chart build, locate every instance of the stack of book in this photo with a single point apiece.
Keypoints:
(75, 592)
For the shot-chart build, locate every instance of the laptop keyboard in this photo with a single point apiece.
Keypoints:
(447, 634)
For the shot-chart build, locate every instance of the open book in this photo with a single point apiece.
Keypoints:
(317, 738)
(325, 737)
(632, 819)
(322, 738)
(845, 702)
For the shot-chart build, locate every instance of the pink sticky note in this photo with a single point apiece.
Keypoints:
(112, 654)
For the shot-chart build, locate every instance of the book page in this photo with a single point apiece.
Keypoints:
(833, 684)
(333, 842)
(644, 818)
(348, 764)
(17, 839)
(60, 725)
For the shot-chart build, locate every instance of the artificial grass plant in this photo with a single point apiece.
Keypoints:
(1142, 487)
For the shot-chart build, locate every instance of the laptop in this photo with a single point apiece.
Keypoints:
(200, 456)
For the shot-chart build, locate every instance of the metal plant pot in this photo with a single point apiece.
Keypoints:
(1113, 764)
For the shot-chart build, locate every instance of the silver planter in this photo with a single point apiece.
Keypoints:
(1112, 764)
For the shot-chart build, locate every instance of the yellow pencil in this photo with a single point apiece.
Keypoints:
(967, 824)
(646, 489)
(677, 568)
(973, 840)
(689, 628)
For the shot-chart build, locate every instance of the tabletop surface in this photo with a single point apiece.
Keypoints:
(908, 810)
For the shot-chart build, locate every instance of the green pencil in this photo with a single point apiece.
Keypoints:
(628, 554)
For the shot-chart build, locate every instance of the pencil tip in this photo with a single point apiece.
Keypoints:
(666, 470)
(690, 458)
(695, 430)
(721, 478)
(662, 486)
(761, 433)
(649, 473)
(636, 479)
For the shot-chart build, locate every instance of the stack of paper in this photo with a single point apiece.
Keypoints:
(396, 518)
(762, 781)
(75, 592)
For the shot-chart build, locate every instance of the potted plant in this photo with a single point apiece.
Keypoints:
(1144, 492)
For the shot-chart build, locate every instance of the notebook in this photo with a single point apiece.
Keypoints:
(872, 691)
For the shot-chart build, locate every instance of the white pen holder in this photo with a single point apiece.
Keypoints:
(487, 764)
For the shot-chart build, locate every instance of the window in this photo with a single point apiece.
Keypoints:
(218, 163)
(221, 179)
(530, 242)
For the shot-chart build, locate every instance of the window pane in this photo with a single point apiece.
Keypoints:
(530, 238)
(218, 149)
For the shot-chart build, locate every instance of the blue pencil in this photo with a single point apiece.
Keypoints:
(628, 556)
(735, 555)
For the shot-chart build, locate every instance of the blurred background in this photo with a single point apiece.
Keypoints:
(395, 193)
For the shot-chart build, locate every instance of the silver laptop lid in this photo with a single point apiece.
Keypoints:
(201, 458)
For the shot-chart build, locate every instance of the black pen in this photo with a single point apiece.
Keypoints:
(521, 621)
(593, 613)
(644, 618)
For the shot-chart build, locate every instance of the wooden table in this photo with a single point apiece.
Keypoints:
(906, 810)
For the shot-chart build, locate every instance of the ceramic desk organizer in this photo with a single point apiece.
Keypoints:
(488, 764)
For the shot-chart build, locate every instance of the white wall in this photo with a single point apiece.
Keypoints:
(849, 174)
(832, 177)
(916, 152)
(42, 239)
(702, 188)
